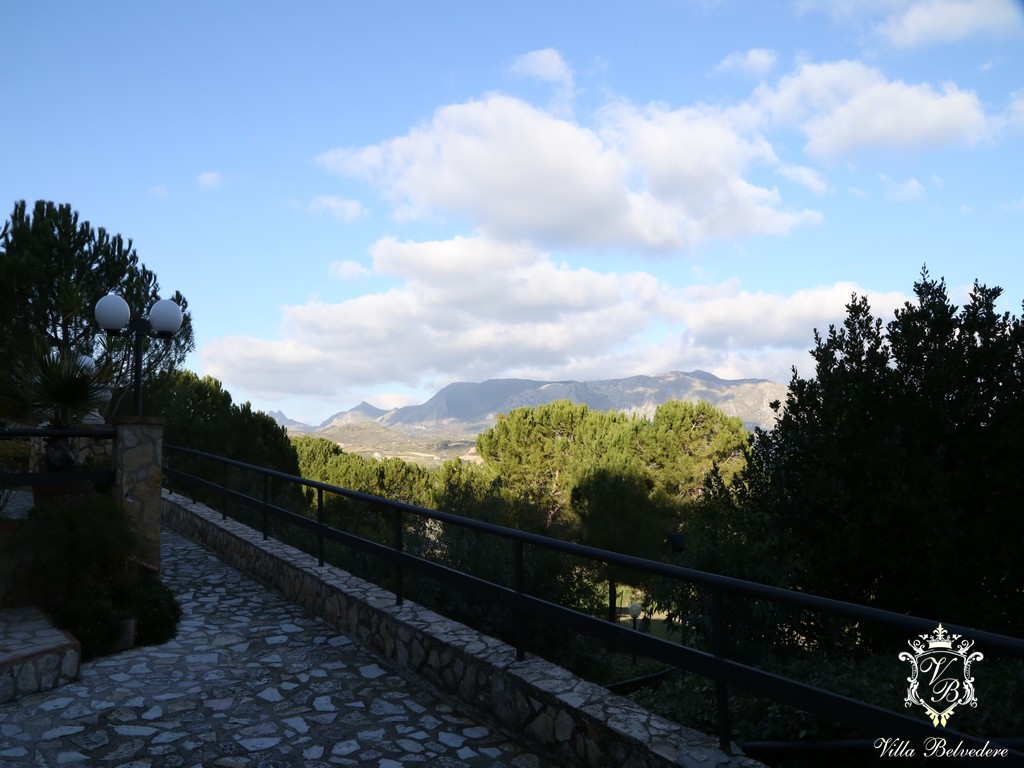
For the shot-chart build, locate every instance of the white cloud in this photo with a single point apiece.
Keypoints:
(849, 9)
(948, 21)
(918, 23)
(757, 62)
(1013, 119)
(548, 66)
(904, 192)
(730, 317)
(694, 163)
(654, 178)
(805, 177)
(846, 106)
(510, 167)
(336, 207)
(469, 309)
(209, 180)
(347, 270)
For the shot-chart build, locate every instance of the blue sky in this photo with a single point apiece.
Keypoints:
(370, 201)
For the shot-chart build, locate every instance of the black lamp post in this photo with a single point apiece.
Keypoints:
(114, 317)
(634, 613)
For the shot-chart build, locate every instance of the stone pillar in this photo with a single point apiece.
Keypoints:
(138, 478)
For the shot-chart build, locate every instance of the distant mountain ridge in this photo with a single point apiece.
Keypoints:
(465, 409)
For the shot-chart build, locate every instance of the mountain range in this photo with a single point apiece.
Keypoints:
(463, 410)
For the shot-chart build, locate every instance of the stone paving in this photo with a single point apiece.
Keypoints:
(250, 680)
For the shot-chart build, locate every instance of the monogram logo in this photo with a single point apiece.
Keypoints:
(940, 677)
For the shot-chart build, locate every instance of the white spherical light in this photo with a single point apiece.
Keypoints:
(112, 312)
(165, 318)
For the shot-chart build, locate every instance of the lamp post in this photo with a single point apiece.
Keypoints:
(114, 317)
(634, 611)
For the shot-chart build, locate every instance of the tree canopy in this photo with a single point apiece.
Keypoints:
(604, 478)
(892, 475)
(53, 269)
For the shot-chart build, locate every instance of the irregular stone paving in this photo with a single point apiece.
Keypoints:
(250, 680)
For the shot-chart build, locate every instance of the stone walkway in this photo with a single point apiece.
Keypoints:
(250, 681)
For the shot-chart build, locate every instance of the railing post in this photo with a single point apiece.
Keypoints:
(520, 584)
(613, 598)
(320, 522)
(224, 496)
(266, 500)
(397, 543)
(721, 689)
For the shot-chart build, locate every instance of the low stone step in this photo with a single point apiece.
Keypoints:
(34, 654)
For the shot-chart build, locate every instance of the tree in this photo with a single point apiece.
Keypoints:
(53, 269)
(201, 415)
(532, 451)
(683, 443)
(892, 475)
(593, 474)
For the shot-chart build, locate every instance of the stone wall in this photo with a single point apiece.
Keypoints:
(580, 723)
(138, 478)
(34, 655)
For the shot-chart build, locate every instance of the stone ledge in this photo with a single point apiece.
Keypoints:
(582, 724)
(35, 656)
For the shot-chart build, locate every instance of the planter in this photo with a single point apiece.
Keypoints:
(129, 628)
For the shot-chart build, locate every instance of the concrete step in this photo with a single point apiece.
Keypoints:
(34, 654)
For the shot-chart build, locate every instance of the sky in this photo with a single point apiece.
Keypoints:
(369, 201)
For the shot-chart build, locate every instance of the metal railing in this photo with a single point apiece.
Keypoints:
(859, 716)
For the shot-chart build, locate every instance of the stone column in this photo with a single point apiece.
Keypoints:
(138, 477)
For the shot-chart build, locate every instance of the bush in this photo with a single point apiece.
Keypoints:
(93, 622)
(157, 610)
(81, 555)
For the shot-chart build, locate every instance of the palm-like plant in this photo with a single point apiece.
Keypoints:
(58, 388)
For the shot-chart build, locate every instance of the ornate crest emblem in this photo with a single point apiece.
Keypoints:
(940, 677)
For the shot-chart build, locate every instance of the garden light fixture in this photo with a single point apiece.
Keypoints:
(114, 317)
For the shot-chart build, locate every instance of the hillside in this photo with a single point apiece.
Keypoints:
(446, 425)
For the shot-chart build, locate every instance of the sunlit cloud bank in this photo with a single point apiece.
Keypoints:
(523, 189)
(469, 309)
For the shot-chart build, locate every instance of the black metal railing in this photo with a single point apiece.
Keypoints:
(716, 665)
(77, 477)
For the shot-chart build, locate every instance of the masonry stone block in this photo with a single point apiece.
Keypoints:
(138, 477)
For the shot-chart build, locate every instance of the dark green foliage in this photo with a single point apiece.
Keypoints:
(892, 477)
(80, 547)
(563, 470)
(80, 565)
(53, 270)
(878, 679)
(56, 386)
(201, 415)
(154, 607)
(618, 513)
(94, 623)
(607, 479)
